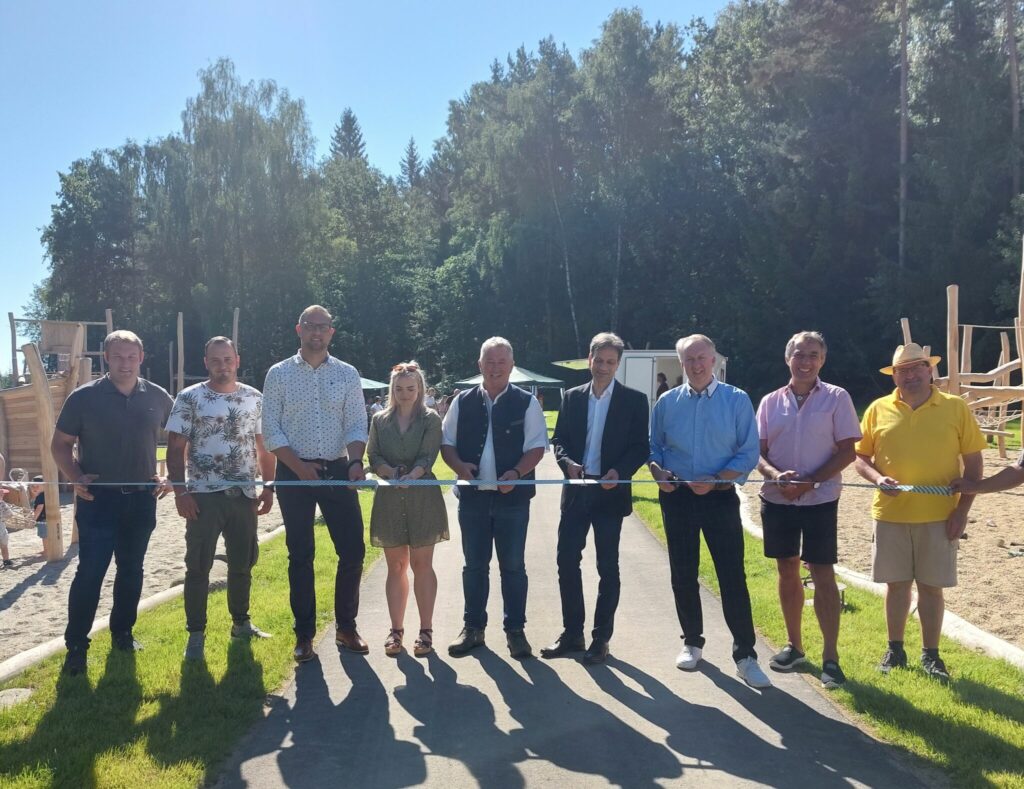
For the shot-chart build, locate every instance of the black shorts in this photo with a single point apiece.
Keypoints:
(817, 524)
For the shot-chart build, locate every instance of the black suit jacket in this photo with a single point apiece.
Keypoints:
(624, 444)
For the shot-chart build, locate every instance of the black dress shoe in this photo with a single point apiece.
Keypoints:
(303, 650)
(469, 638)
(125, 642)
(75, 662)
(596, 653)
(518, 646)
(563, 645)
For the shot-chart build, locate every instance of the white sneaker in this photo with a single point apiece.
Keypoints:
(688, 658)
(751, 673)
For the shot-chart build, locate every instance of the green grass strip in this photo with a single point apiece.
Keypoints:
(150, 719)
(973, 729)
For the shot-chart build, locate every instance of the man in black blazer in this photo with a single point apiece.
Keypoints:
(601, 434)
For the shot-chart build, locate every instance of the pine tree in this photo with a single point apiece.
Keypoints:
(347, 140)
(411, 165)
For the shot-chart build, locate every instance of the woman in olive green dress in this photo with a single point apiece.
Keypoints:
(407, 521)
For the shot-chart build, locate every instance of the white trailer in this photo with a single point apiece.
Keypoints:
(639, 369)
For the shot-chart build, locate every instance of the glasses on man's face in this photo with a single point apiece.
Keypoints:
(316, 327)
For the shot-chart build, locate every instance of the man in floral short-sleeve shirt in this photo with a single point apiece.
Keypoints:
(219, 421)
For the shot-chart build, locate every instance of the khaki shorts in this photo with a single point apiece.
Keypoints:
(913, 552)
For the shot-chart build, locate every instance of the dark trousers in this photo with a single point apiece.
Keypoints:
(486, 520)
(717, 514)
(589, 508)
(117, 525)
(340, 509)
(235, 518)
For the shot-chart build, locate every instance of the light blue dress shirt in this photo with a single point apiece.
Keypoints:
(697, 435)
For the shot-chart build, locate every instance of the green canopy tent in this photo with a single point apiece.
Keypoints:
(524, 378)
(370, 384)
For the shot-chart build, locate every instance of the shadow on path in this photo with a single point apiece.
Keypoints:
(351, 743)
(457, 721)
(576, 734)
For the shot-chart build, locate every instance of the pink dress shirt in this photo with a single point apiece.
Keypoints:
(803, 439)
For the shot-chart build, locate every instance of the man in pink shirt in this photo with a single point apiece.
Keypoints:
(808, 429)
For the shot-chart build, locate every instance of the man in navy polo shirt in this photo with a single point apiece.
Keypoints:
(494, 432)
(116, 422)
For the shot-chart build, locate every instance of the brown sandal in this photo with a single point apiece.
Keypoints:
(393, 644)
(424, 644)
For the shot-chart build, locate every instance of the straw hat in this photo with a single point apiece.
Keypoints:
(911, 353)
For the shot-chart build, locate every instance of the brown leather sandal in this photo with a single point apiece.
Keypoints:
(424, 644)
(393, 644)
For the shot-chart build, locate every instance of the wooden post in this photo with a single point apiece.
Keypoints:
(234, 329)
(4, 450)
(14, 349)
(75, 362)
(84, 375)
(905, 327)
(953, 339)
(965, 353)
(108, 316)
(170, 367)
(181, 353)
(54, 543)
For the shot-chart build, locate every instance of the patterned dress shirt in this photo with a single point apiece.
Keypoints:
(315, 411)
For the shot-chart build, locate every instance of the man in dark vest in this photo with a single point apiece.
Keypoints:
(494, 432)
(601, 434)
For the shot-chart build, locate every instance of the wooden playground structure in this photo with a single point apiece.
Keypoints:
(992, 398)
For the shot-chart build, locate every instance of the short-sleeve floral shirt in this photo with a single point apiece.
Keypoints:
(221, 430)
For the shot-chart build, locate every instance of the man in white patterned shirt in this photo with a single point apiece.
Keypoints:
(314, 421)
(218, 422)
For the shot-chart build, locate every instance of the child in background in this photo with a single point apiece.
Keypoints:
(5, 550)
(39, 505)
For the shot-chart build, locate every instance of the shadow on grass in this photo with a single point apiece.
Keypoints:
(988, 698)
(202, 720)
(82, 724)
(944, 735)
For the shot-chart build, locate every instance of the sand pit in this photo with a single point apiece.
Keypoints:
(34, 594)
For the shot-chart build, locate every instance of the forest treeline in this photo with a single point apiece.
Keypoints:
(741, 179)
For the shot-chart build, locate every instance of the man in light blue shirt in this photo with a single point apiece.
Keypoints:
(705, 434)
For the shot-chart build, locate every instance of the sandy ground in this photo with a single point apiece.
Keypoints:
(988, 594)
(34, 594)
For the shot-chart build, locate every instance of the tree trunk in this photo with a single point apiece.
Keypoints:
(1011, 51)
(616, 276)
(565, 257)
(904, 68)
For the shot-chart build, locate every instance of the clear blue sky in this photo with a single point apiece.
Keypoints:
(78, 76)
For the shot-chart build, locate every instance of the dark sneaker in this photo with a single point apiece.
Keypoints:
(74, 661)
(518, 646)
(125, 642)
(934, 667)
(469, 638)
(788, 659)
(832, 676)
(8, 563)
(893, 658)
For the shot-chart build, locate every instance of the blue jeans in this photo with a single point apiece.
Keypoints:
(487, 519)
(588, 507)
(117, 525)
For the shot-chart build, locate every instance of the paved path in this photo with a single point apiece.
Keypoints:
(487, 720)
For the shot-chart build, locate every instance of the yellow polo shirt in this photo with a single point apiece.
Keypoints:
(918, 447)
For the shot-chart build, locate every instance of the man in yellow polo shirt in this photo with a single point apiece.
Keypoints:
(917, 436)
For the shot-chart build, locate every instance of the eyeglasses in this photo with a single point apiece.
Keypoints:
(406, 368)
(315, 327)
